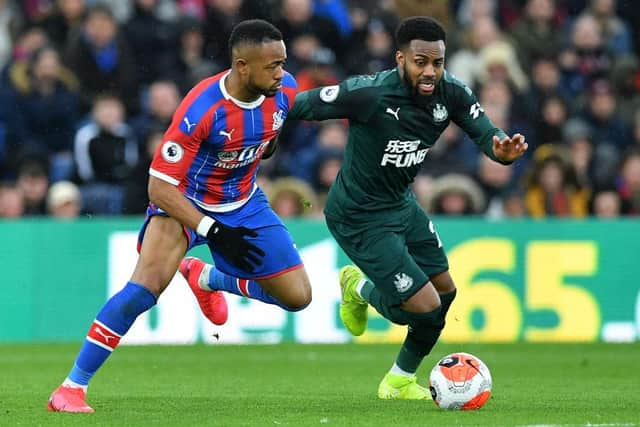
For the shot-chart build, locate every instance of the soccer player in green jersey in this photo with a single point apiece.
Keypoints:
(395, 116)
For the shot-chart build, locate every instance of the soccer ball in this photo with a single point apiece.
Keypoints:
(460, 381)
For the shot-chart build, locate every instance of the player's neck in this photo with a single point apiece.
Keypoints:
(235, 88)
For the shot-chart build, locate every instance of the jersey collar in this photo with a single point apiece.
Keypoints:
(246, 105)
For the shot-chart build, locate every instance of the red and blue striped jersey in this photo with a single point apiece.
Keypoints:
(214, 144)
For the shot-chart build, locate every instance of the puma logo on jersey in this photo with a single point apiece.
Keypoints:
(227, 134)
(188, 124)
(393, 113)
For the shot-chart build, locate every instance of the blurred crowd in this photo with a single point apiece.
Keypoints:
(87, 89)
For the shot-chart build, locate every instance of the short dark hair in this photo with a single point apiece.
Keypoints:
(419, 28)
(253, 31)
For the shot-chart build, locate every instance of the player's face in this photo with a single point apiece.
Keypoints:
(422, 65)
(266, 68)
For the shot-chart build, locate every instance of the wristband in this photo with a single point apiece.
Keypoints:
(205, 225)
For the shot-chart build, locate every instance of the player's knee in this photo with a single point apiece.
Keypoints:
(423, 301)
(299, 297)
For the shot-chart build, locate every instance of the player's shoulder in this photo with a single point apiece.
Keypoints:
(207, 89)
(380, 80)
(288, 81)
(452, 83)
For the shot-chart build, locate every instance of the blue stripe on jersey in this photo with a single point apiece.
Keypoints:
(199, 106)
(252, 126)
(202, 164)
(289, 81)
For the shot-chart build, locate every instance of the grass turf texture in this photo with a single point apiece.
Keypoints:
(311, 385)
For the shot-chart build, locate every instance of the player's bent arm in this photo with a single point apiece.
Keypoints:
(334, 102)
(168, 198)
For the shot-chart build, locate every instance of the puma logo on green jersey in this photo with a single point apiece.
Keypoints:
(403, 154)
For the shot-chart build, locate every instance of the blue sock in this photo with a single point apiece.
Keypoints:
(111, 323)
(220, 281)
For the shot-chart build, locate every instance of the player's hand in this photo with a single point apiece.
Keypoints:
(509, 149)
(233, 244)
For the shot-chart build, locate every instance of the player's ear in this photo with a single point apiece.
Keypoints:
(241, 65)
(400, 58)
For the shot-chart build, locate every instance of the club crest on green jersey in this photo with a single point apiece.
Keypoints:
(440, 113)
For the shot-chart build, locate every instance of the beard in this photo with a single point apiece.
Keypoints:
(417, 97)
(257, 90)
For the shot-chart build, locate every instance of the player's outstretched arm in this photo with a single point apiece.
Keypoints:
(232, 241)
(509, 149)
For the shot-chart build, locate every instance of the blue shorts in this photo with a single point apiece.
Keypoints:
(273, 238)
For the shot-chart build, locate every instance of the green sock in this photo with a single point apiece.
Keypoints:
(424, 331)
(381, 303)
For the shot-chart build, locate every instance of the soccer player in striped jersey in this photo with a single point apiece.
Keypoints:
(202, 188)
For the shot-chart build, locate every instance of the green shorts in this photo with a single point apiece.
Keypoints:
(398, 250)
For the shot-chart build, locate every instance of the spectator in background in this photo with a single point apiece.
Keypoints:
(377, 54)
(576, 135)
(549, 121)
(498, 61)
(33, 182)
(585, 58)
(454, 194)
(616, 33)
(27, 42)
(606, 204)
(11, 201)
(292, 198)
(625, 79)
(449, 154)
(161, 102)
(326, 168)
(102, 59)
(150, 38)
(551, 189)
(136, 199)
(9, 24)
(536, 33)
(65, 18)
(628, 183)
(221, 17)
(105, 152)
(546, 82)
(600, 113)
(319, 71)
(495, 180)
(44, 110)
(297, 18)
(64, 200)
(189, 65)
(464, 63)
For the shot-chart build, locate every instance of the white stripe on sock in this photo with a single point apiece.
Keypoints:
(68, 383)
(359, 287)
(395, 369)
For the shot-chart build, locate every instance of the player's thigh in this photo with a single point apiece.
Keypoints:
(292, 288)
(426, 249)
(163, 246)
(384, 258)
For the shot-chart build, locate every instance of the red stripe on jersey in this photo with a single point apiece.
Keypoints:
(234, 118)
(101, 334)
(243, 287)
(290, 93)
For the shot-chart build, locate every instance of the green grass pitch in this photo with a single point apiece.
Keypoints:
(320, 385)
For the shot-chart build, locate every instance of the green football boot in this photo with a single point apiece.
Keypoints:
(353, 309)
(396, 387)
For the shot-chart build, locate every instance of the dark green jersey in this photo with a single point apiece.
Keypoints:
(389, 135)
